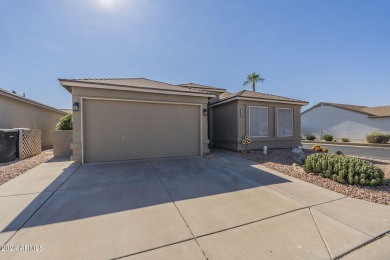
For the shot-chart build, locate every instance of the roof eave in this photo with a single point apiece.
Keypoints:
(68, 84)
(378, 116)
(303, 103)
(69, 89)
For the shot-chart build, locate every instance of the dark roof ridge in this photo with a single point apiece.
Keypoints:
(201, 85)
(239, 93)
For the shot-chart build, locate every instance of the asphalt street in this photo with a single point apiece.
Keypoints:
(361, 151)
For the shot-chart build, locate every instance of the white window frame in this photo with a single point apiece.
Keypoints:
(277, 120)
(249, 126)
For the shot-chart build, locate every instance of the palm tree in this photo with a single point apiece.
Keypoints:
(253, 78)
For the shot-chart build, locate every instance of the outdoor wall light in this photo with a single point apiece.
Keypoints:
(205, 112)
(241, 112)
(76, 106)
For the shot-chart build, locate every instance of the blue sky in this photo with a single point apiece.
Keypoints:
(315, 50)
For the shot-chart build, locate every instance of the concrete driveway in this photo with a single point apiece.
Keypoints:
(224, 207)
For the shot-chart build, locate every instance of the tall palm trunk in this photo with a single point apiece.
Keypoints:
(254, 86)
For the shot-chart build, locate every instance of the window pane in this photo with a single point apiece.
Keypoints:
(285, 122)
(254, 121)
(258, 118)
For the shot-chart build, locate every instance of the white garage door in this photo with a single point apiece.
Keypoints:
(123, 130)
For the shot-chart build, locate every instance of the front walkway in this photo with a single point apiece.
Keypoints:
(224, 207)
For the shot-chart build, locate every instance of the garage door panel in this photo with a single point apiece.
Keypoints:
(167, 123)
(94, 140)
(146, 123)
(94, 123)
(113, 123)
(116, 130)
(164, 111)
(120, 109)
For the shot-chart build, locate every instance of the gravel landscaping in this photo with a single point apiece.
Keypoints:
(13, 169)
(281, 160)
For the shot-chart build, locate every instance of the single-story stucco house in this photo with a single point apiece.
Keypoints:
(21, 112)
(136, 118)
(342, 120)
(267, 120)
(121, 119)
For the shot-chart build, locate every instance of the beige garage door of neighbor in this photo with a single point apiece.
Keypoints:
(124, 130)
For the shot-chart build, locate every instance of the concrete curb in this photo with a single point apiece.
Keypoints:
(346, 144)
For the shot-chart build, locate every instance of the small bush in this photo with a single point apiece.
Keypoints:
(339, 153)
(310, 137)
(377, 138)
(325, 150)
(345, 140)
(344, 169)
(328, 138)
(65, 123)
(334, 141)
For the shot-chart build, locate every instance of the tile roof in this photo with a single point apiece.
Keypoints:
(136, 83)
(199, 86)
(378, 111)
(381, 111)
(226, 95)
(345, 106)
(255, 95)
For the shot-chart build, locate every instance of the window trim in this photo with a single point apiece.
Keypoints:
(277, 120)
(249, 126)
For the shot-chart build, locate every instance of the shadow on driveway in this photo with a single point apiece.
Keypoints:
(103, 188)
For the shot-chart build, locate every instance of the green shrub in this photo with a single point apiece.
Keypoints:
(65, 123)
(310, 137)
(328, 138)
(378, 138)
(344, 169)
(345, 140)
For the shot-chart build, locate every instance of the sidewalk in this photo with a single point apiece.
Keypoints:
(21, 197)
(346, 143)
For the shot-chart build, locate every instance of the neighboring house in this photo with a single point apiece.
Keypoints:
(21, 112)
(137, 118)
(267, 120)
(341, 120)
(122, 119)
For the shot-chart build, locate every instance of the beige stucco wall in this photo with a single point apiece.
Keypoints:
(61, 143)
(230, 137)
(19, 114)
(79, 93)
